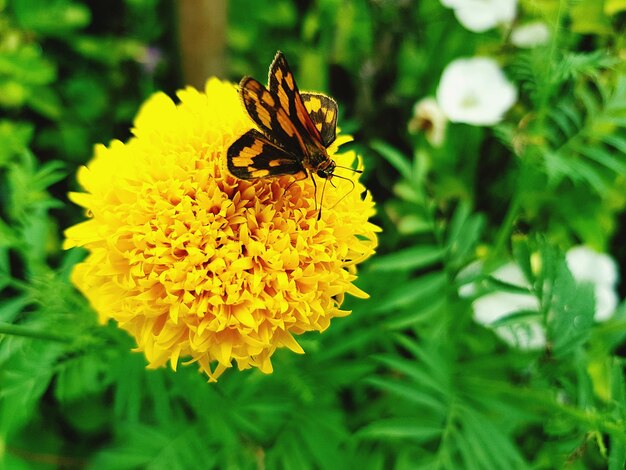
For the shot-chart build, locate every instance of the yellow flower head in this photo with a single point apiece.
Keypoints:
(197, 264)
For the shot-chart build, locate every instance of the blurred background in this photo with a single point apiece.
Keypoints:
(497, 338)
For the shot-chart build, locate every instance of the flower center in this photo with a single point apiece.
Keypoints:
(469, 101)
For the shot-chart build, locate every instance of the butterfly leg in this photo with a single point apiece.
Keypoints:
(315, 195)
(319, 213)
(306, 175)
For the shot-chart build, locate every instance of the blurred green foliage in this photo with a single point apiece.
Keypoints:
(409, 380)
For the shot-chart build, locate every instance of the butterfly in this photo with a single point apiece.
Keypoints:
(295, 129)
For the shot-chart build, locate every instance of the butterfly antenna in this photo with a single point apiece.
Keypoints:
(319, 214)
(344, 196)
(348, 168)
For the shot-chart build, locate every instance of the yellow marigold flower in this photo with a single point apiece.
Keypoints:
(197, 264)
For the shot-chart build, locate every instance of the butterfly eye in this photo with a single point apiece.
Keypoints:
(322, 173)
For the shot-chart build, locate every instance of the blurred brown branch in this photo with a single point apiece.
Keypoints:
(202, 32)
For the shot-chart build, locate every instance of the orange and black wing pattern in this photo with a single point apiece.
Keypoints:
(254, 156)
(292, 127)
(322, 110)
(283, 84)
(266, 111)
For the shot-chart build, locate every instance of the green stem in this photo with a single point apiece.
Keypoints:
(506, 228)
(18, 330)
(514, 207)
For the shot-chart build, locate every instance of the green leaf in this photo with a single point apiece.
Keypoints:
(430, 358)
(89, 414)
(80, 376)
(11, 308)
(489, 444)
(28, 196)
(355, 340)
(412, 429)
(70, 139)
(129, 383)
(617, 453)
(411, 394)
(588, 17)
(414, 370)
(612, 7)
(51, 17)
(572, 310)
(394, 158)
(416, 257)
(141, 446)
(408, 191)
(353, 31)
(574, 65)
(601, 156)
(522, 255)
(463, 234)
(23, 379)
(46, 102)
(617, 141)
(412, 224)
(13, 93)
(413, 292)
(418, 314)
(27, 65)
(88, 96)
(563, 122)
(111, 51)
(14, 139)
(571, 112)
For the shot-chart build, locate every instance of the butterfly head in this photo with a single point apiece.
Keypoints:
(319, 163)
(327, 171)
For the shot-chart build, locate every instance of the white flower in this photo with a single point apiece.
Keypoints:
(587, 265)
(530, 35)
(481, 15)
(428, 117)
(527, 332)
(475, 91)
(511, 274)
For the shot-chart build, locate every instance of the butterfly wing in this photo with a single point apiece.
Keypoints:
(266, 111)
(322, 110)
(282, 84)
(254, 156)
